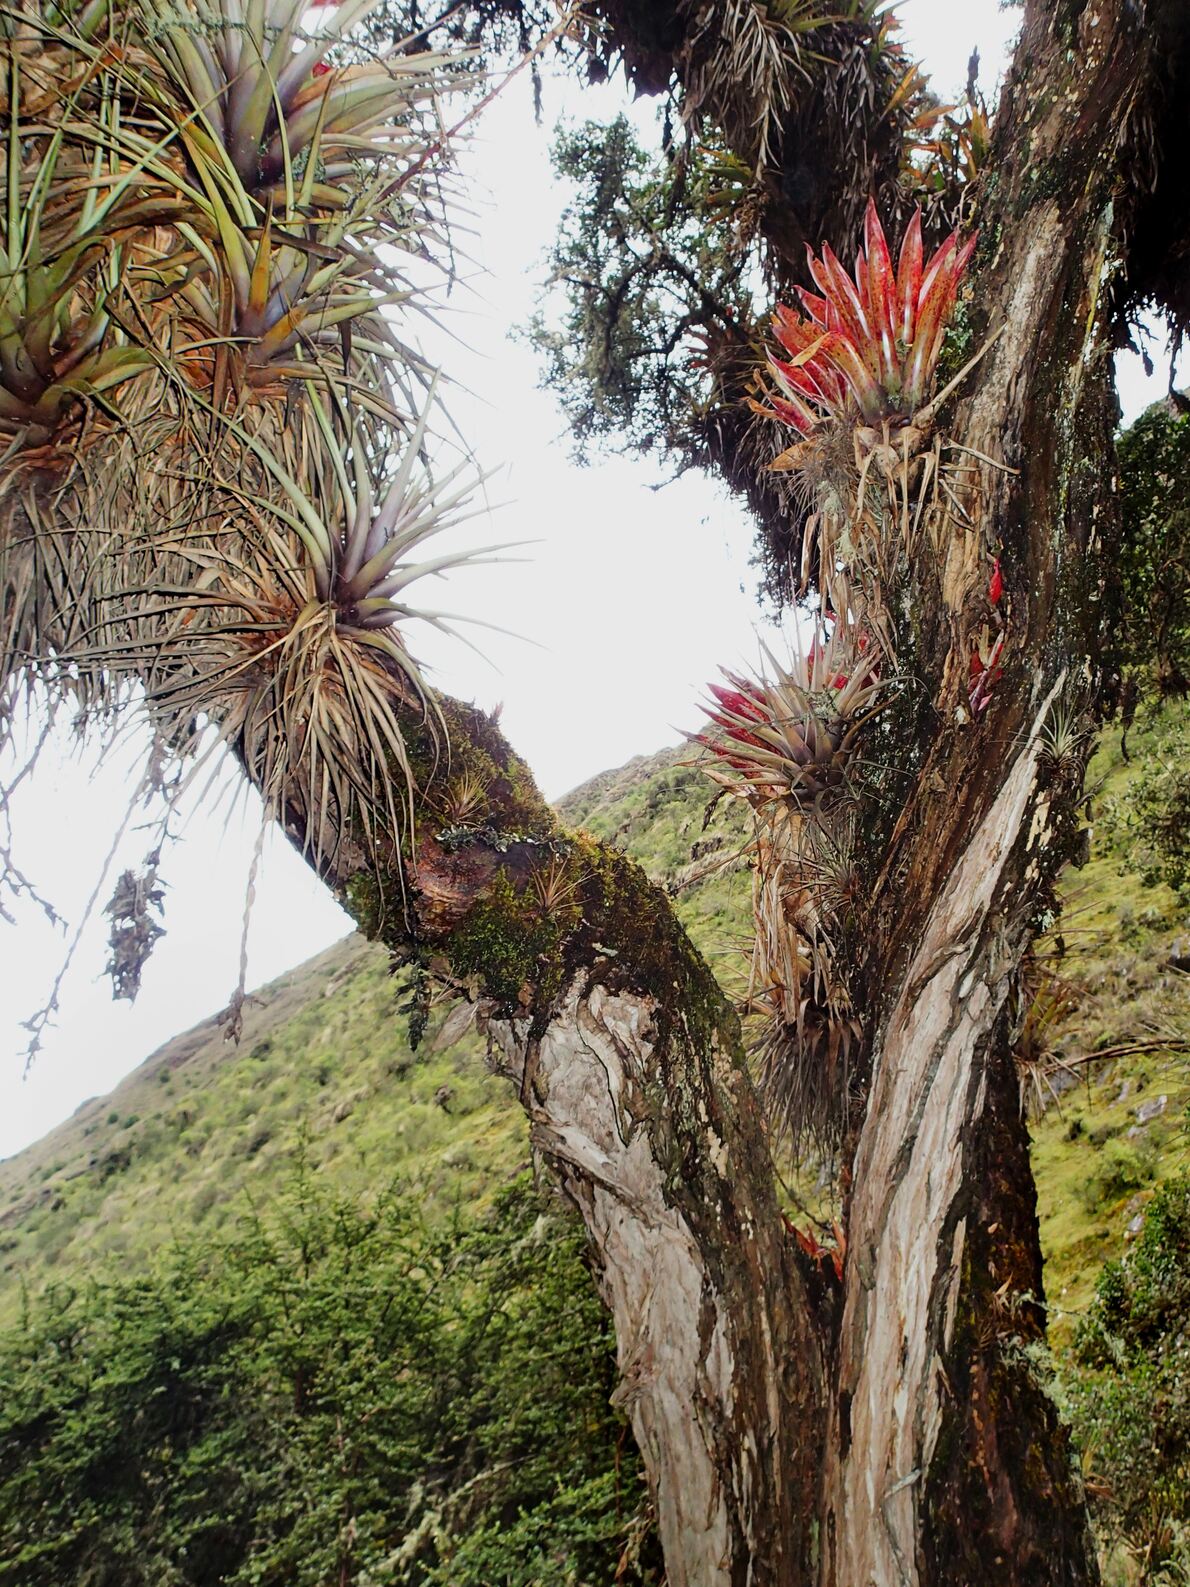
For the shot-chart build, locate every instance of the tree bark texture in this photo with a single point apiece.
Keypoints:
(897, 1432)
(888, 1429)
(629, 1063)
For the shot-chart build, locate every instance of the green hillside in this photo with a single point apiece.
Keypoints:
(183, 1143)
(1121, 1124)
(200, 1125)
(195, 1173)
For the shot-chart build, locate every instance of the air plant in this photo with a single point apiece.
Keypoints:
(555, 885)
(313, 715)
(281, 303)
(361, 567)
(984, 670)
(789, 733)
(291, 635)
(782, 742)
(462, 798)
(76, 19)
(264, 101)
(868, 347)
(289, 168)
(807, 1023)
(1066, 740)
(256, 170)
(829, 870)
(214, 192)
(1049, 1001)
(762, 73)
(58, 267)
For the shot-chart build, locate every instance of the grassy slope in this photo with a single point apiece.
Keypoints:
(200, 1126)
(1096, 1165)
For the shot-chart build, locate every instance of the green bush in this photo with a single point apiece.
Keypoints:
(334, 1394)
(1127, 1390)
(1147, 826)
(1119, 1168)
(1154, 562)
(1162, 799)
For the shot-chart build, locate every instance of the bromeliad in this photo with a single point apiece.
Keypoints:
(260, 96)
(867, 347)
(788, 734)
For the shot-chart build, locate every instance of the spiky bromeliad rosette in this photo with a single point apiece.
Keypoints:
(854, 380)
(201, 346)
(783, 742)
(867, 347)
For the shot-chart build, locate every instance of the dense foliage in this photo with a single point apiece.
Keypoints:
(1130, 1391)
(1154, 462)
(653, 290)
(338, 1393)
(1148, 826)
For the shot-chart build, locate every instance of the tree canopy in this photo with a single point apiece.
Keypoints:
(224, 471)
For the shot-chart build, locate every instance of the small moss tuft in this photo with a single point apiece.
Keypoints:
(510, 945)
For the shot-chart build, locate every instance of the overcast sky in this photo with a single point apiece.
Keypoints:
(631, 599)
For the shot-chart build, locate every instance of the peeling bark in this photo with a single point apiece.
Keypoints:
(672, 1326)
(629, 1064)
(892, 1434)
(945, 1459)
(908, 1217)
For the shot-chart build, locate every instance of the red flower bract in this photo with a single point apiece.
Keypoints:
(789, 734)
(869, 344)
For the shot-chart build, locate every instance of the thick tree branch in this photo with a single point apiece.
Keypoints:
(629, 1064)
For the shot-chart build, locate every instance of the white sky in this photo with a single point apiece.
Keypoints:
(632, 597)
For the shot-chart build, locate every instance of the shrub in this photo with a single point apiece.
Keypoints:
(334, 1394)
(1154, 564)
(1148, 826)
(1119, 1168)
(1163, 833)
(1128, 1391)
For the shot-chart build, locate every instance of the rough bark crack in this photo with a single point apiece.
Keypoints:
(903, 1272)
(675, 1361)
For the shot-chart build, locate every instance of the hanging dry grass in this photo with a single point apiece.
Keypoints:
(808, 1027)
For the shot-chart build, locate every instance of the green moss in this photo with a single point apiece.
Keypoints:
(364, 902)
(510, 944)
(958, 344)
(1112, 945)
(633, 916)
(474, 751)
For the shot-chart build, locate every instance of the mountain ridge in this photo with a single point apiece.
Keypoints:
(325, 1059)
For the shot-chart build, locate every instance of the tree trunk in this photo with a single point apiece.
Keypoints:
(890, 1429)
(897, 1432)
(629, 1063)
(942, 1448)
(714, 1382)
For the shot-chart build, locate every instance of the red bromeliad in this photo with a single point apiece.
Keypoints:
(984, 670)
(870, 344)
(789, 735)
